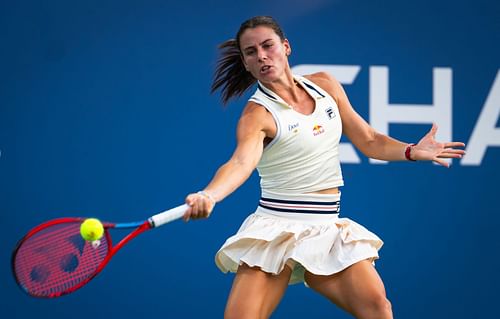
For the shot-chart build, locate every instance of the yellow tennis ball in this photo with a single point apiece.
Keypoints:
(91, 229)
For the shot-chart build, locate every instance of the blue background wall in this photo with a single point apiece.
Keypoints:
(105, 111)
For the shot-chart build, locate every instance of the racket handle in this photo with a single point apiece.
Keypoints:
(168, 215)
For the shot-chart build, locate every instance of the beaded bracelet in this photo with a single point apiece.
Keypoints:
(408, 152)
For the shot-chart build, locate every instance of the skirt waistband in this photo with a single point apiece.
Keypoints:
(301, 203)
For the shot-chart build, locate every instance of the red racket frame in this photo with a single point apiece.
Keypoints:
(140, 227)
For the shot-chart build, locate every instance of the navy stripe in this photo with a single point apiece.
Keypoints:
(284, 201)
(313, 88)
(285, 210)
(269, 95)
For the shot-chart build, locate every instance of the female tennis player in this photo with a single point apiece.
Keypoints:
(290, 130)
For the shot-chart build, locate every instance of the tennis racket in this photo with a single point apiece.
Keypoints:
(53, 259)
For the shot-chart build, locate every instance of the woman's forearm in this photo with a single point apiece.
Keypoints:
(228, 178)
(385, 148)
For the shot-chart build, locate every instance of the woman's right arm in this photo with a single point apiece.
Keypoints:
(254, 126)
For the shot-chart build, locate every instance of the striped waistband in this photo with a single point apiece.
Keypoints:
(298, 206)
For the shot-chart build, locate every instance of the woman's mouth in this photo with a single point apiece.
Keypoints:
(265, 68)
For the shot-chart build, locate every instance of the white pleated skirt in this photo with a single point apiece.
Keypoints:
(282, 234)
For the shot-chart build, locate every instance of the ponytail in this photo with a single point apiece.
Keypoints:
(230, 74)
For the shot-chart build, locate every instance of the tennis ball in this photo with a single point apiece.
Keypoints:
(91, 229)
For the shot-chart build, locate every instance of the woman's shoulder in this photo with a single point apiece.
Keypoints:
(254, 107)
(254, 111)
(326, 81)
(323, 79)
(256, 117)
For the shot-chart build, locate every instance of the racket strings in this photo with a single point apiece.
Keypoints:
(56, 260)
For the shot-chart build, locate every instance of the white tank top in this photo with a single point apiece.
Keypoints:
(303, 157)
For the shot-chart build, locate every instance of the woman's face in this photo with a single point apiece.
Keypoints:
(264, 53)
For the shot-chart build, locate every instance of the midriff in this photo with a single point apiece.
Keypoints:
(334, 190)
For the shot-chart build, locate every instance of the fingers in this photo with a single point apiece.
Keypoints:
(441, 162)
(451, 153)
(430, 136)
(448, 153)
(433, 130)
(200, 206)
(454, 144)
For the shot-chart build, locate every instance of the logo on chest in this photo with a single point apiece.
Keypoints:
(318, 129)
(330, 113)
(293, 127)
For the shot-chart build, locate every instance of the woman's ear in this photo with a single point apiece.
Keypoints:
(288, 48)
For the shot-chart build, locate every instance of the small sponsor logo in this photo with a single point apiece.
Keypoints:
(318, 129)
(330, 113)
(293, 127)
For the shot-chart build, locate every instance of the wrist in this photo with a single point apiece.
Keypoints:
(208, 195)
(408, 152)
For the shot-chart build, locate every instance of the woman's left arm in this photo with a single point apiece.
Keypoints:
(379, 146)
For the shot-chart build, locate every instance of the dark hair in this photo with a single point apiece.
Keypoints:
(230, 74)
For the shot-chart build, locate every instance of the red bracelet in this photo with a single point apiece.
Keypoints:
(408, 152)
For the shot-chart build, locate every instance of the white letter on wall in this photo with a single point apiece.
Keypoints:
(485, 134)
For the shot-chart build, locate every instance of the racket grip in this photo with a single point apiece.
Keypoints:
(168, 215)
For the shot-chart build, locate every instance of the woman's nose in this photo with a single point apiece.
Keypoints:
(261, 54)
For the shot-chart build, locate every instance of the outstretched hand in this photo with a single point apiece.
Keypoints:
(428, 149)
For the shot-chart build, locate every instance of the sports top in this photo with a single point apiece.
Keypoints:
(303, 157)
